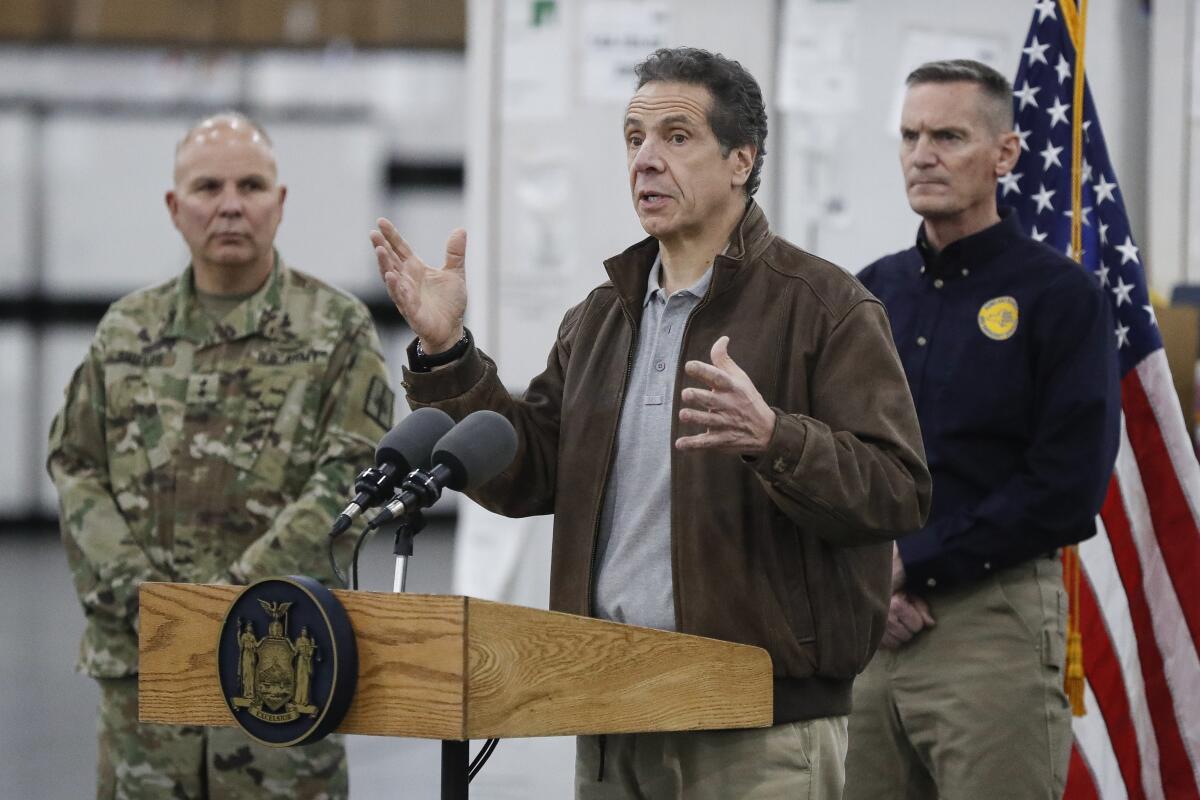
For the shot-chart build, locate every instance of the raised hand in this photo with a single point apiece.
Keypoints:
(433, 301)
(734, 415)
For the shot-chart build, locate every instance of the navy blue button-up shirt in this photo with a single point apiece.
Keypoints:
(1010, 353)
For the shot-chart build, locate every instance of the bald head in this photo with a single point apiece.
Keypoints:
(221, 131)
(227, 202)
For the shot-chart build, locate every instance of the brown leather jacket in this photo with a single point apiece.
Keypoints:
(791, 551)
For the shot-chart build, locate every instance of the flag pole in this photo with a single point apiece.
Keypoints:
(1076, 24)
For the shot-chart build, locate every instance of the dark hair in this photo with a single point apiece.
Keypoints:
(737, 117)
(995, 87)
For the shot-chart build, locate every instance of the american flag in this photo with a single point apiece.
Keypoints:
(1140, 589)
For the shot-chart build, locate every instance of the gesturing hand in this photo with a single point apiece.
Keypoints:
(908, 615)
(433, 301)
(734, 415)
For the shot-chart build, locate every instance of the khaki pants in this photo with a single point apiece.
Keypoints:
(973, 707)
(140, 762)
(795, 760)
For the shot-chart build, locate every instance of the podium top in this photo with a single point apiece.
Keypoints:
(455, 667)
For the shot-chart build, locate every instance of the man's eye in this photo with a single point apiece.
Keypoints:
(678, 138)
(253, 186)
(635, 141)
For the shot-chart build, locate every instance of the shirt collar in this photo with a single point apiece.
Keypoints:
(971, 251)
(654, 285)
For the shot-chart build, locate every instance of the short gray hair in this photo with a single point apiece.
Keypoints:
(996, 89)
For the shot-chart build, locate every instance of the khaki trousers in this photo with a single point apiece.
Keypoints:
(794, 760)
(141, 761)
(973, 707)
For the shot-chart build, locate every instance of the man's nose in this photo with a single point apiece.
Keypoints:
(230, 202)
(648, 157)
(923, 154)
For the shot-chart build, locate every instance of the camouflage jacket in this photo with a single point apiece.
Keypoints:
(202, 451)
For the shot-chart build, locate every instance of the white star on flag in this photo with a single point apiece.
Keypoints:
(1069, 213)
(1129, 251)
(1058, 112)
(1027, 95)
(1103, 233)
(1102, 274)
(1050, 156)
(1150, 312)
(1063, 69)
(1104, 190)
(1042, 198)
(1045, 10)
(1121, 291)
(1024, 136)
(1036, 52)
(1086, 169)
(1037, 235)
(1009, 182)
(1122, 335)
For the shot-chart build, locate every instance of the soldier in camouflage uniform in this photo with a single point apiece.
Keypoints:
(211, 435)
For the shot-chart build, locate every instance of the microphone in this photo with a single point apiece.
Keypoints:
(403, 449)
(476, 450)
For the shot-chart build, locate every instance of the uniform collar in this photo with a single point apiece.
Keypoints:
(970, 252)
(258, 314)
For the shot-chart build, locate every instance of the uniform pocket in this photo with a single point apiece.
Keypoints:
(276, 413)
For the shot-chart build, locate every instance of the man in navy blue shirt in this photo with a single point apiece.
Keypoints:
(1009, 351)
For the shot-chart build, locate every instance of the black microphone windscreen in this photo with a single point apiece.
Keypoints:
(476, 449)
(410, 443)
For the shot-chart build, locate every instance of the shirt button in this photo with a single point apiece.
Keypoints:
(660, 366)
(966, 271)
(987, 565)
(922, 341)
(668, 329)
(938, 283)
(931, 583)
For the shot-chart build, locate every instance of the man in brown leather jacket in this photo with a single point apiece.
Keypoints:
(723, 432)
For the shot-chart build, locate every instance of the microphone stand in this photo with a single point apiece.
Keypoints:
(455, 753)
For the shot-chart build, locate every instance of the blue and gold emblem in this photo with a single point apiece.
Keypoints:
(998, 318)
(287, 661)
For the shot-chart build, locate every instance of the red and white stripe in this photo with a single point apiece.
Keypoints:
(1140, 609)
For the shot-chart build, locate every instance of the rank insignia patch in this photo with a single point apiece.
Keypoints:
(998, 318)
(378, 403)
(287, 661)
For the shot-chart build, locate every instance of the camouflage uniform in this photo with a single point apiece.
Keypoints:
(197, 450)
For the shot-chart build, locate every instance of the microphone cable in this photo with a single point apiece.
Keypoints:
(481, 758)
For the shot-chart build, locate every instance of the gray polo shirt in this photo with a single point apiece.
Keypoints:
(634, 583)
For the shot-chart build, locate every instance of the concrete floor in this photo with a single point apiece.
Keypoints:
(47, 735)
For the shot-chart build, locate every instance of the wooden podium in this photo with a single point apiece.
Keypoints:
(457, 668)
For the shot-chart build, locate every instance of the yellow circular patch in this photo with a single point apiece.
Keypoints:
(998, 318)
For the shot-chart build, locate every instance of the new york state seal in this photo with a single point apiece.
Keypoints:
(293, 684)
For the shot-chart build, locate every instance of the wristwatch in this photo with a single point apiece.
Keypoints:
(420, 361)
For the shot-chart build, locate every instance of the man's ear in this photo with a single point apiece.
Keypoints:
(172, 203)
(743, 157)
(1010, 153)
